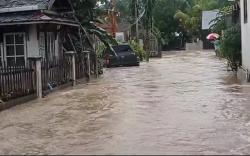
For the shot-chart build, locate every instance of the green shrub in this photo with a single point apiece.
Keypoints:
(231, 45)
(100, 50)
(139, 51)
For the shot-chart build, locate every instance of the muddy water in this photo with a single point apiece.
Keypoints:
(184, 103)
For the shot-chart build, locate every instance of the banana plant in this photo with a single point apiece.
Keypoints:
(87, 13)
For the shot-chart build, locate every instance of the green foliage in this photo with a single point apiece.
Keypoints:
(163, 12)
(148, 16)
(87, 12)
(220, 22)
(139, 51)
(100, 50)
(231, 44)
(124, 8)
(219, 25)
(211, 4)
(190, 21)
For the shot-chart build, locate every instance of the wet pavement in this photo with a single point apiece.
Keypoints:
(184, 103)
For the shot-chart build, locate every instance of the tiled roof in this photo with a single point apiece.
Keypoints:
(20, 3)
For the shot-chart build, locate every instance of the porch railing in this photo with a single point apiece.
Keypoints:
(16, 81)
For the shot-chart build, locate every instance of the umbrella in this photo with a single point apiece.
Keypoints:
(213, 36)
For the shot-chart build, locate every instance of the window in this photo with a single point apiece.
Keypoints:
(14, 48)
(245, 11)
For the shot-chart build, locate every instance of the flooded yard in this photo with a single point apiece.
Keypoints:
(183, 103)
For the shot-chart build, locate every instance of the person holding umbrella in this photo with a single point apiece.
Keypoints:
(214, 38)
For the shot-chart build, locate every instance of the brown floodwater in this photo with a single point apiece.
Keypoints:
(183, 103)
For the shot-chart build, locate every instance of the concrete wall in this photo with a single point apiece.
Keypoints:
(245, 37)
(194, 46)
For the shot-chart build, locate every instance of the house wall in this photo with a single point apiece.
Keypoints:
(245, 37)
(57, 45)
(32, 43)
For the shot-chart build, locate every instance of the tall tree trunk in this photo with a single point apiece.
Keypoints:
(147, 44)
(148, 21)
(133, 13)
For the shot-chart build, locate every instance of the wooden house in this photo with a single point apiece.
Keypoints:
(38, 29)
(33, 28)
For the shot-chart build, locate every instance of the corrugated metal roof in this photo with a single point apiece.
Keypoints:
(24, 11)
(20, 3)
(32, 16)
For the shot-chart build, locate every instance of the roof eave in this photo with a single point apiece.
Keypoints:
(23, 8)
(40, 22)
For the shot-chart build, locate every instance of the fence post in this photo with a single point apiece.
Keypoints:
(247, 75)
(88, 62)
(73, 61)
(38, 69)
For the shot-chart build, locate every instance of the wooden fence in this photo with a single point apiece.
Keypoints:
(81, 66)
(56, 72)
(19, 81)
(16, 81)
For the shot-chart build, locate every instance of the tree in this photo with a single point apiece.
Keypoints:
(165, 11)
(231, 38)
(163, 15)
(88, 12)
(191, 21)
(148, 24)
(231, 46)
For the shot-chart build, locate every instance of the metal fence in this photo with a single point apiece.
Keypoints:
(16, 81)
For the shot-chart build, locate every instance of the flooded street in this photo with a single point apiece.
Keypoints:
(184, 103)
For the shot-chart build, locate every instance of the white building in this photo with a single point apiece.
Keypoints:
(207, 22)
(245, 30)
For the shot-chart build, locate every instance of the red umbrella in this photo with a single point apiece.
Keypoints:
(213, 36)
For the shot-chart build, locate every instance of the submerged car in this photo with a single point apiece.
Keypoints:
(123, 55)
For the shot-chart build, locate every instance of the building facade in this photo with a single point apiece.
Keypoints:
(245, 30)
(38, 47)
(33, 28)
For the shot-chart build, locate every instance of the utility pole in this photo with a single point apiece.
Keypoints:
(114, 18)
